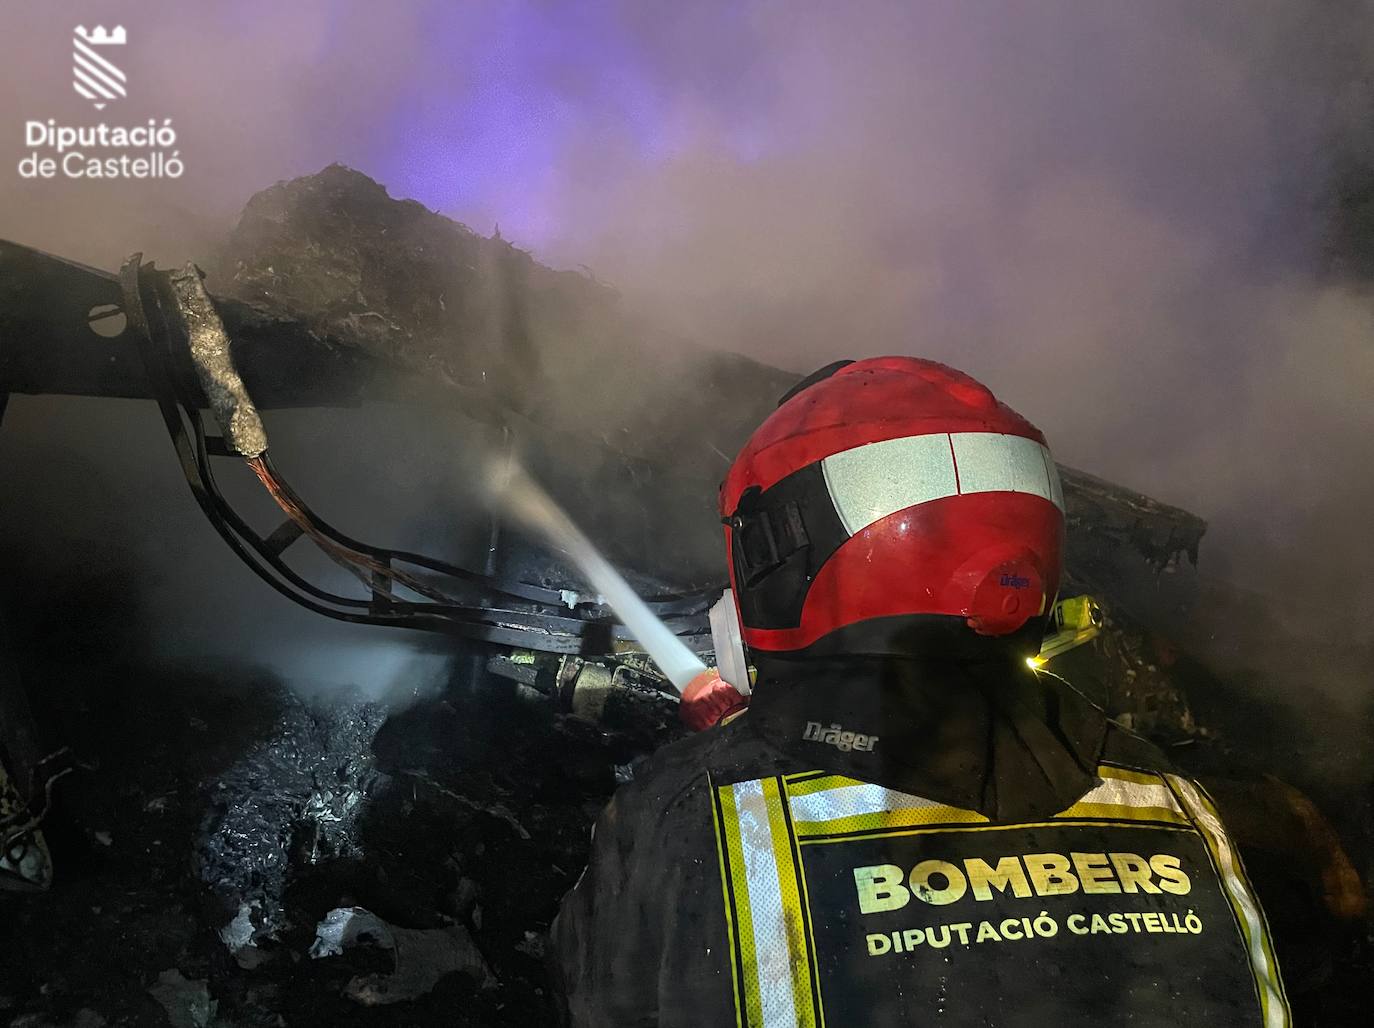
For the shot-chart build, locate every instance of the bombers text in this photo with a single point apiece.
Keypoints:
(937, 882)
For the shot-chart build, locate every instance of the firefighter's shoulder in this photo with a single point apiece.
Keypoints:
(677, 779)
(1125, 748)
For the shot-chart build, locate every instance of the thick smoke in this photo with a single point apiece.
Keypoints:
(1114, 213)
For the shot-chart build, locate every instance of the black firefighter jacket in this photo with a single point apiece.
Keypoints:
(866, 847)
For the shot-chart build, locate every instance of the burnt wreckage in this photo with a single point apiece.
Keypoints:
(332, 816)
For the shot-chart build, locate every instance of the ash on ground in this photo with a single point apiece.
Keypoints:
(228, 818)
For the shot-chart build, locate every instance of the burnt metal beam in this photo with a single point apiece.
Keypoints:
(64, 332)
(1122, 517)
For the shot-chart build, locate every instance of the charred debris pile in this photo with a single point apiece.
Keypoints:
(606, 407)
(236, 854)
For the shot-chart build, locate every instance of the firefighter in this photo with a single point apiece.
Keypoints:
(909, 824)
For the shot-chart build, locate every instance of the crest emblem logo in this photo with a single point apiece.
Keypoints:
(95, 76)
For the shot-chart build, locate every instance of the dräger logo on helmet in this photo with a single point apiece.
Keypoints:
(839, 738)
(1015, 581)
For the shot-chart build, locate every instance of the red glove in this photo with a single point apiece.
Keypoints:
(707, 701)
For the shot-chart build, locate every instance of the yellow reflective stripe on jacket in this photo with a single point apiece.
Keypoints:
(776, 983)
(828, 804)
(1129, 796)
(723, 845)
(850, 806)
(1125, 774)
(1253, 926)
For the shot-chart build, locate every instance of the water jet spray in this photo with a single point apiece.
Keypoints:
(513, 491)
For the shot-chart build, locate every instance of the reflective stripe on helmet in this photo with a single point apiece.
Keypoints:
(870, 482)
(867, 483)
(990, 462)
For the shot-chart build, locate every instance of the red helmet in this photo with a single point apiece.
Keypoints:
(885, 493)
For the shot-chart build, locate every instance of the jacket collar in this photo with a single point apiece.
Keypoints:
(993, 737)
